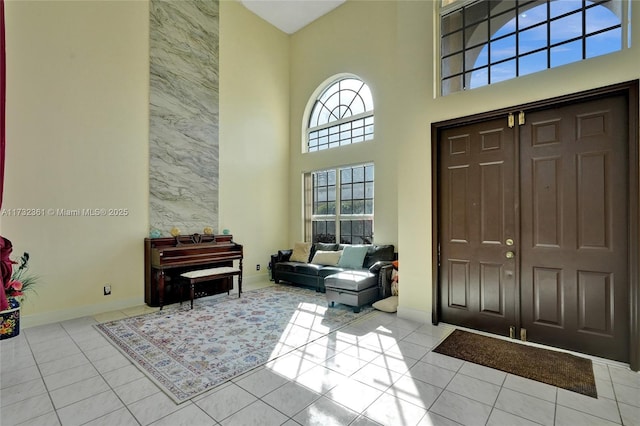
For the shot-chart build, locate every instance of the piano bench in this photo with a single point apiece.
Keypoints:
(203, 275)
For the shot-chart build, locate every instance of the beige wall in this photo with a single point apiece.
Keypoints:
(254, 134)
(391, 46)
(77, 137)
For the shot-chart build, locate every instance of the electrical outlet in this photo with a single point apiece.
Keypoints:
(107, 290)
(257, 267)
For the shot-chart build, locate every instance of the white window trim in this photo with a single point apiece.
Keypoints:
(304, 137)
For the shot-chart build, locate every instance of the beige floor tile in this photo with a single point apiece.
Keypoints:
(258, 413)
(460, 409)
(291, 398)
(226, 402)
(325, 412)
(526, 406)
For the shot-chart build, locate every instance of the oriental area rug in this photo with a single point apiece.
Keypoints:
(189, 351)
(555, 368)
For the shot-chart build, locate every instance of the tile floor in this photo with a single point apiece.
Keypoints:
(378, 370)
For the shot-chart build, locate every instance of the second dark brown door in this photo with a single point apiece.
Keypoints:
(574, 227)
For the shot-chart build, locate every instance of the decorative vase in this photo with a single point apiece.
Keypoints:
(10, 320)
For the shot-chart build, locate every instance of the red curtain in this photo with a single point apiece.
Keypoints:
(3, 86)
(5, 245)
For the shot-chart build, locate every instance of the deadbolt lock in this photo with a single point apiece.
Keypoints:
(509, 255)
(509, 242)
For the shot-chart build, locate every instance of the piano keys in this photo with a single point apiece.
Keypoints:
(167, 257)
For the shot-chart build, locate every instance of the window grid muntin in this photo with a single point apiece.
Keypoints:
(352, 228)
(332, 124)
(465, 74)
(349, 131)
(324, 193)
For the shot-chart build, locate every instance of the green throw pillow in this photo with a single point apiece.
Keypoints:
(352, 257)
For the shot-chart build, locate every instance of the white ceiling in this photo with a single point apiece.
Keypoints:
(290, 15)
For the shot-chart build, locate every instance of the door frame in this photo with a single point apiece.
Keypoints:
(630, 91)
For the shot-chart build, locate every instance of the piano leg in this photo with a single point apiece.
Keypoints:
(192, 292)
(161, 288)
(240, 279)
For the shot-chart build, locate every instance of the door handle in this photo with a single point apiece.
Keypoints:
(509, 242)
(509, 255)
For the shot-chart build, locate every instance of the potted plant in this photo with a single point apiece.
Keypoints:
(14, 282)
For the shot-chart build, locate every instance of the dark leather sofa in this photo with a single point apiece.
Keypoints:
(312, 276)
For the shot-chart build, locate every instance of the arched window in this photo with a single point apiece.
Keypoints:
(486, 42)
(341, 115)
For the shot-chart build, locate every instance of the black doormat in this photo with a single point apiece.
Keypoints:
(559, 369)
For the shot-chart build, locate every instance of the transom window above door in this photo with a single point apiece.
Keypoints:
(485, 42)
(341, 115)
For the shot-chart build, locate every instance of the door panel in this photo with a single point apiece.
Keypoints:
(574, 282)
(477, 215)
(546, 193)
(548, 296)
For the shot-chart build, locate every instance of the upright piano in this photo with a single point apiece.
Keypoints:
(166, 258)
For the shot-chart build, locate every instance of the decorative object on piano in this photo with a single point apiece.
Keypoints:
(226, 231)
(207, 230)
(15, 283)
(155, 233)
(196, 238)
(174, 232)
(217, 352)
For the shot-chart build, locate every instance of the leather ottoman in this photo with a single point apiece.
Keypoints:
(352, 288)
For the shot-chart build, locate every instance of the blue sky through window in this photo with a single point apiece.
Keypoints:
(544, 42)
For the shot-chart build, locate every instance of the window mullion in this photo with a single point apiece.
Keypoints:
(341, 121)
(338, 203)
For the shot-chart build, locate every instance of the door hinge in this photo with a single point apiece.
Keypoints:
(512, 332)
(521, 118)
(511, 120)
(438, 254)
(523, 334)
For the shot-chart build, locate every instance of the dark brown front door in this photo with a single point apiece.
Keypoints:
(533, 225)
(574, 229)
(477, 218)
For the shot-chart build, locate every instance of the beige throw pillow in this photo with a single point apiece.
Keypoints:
(301, 252)
(329, 258)
(390, 304)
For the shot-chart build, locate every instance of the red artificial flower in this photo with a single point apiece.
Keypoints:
(6, 269)
(15, 287)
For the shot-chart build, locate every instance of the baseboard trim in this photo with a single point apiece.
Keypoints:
(35, 320)
(416, 315)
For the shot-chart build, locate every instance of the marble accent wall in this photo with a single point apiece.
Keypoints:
(183, 128)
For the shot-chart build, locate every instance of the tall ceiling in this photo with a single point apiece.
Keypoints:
(290, 15)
